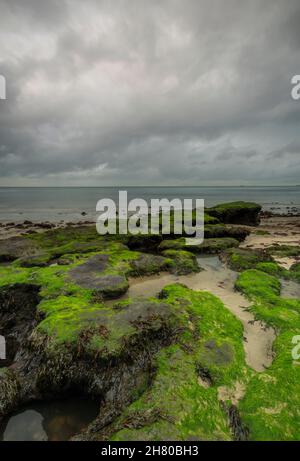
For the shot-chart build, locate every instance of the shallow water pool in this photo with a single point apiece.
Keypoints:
(54, 420)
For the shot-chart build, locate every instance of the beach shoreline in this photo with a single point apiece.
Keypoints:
(93, 295)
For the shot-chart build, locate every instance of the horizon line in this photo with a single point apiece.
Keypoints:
(150, 186)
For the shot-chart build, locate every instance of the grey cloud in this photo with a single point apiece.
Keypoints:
(142, 92)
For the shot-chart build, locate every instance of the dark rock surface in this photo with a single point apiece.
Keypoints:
(91, 275)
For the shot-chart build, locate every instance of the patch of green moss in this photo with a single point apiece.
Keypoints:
(66, 317)
(271, 404)
(283, 251)
(294, 272)
(236, 212)
(213, 246)
(147, 264)
(239, 259)
(11, 274)
(222, 230)
(209, 245)
(175, 244)
(258, 285)
(261, 232)
(181, 262)
(184, 408)
(208, 219)
(271, 268)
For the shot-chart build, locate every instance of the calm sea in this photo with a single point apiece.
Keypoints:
(68, 203)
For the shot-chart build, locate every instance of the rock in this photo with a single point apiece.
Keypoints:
(182, 262)
(16, 247)
(45, 225)
(213, 246)
(239, 429)
(147, 264)
(220, 231)
(91, 275)
(237, 213)
(176, 244)
(214, 354)
(9, 391)
(18, 315)
(240, 259)
(41, 259)
(209, 245)
(145, 243)
(112, 356)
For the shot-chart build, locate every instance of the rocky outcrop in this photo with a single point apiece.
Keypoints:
(18, 317)
(240, 259)
(94, 275)
(16, 247)
(236, 213)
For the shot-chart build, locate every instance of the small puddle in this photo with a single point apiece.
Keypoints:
(218, 280)
(54, 421)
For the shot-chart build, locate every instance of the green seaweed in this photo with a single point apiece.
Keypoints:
(271, 404)
(185, 408)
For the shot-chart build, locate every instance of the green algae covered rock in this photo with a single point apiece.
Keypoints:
(283, 251)
(93, 275)
(147, 264)
(159, 365)
(216, 354)
(212, 246)
(270, 407)
(221, 230)
(209, 245)
(179, 405)
(181, 262)
(16, 247)
(236, 213)
(176, 244)
(240, 259)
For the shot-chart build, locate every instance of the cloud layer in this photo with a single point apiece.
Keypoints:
(140, 92)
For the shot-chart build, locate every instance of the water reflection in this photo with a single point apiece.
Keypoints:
(54, 421)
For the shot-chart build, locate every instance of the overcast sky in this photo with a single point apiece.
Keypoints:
(137, 92)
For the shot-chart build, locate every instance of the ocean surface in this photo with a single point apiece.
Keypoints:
(79, 203)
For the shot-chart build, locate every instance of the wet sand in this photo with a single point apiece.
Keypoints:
(218, 280)
(280, 231)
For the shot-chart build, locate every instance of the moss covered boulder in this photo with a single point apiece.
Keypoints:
(183, 401)
(94, 275)
(236, 213)
(147, 264)
(240, 259)
(221, 231)
(270, 407)
(181, 262)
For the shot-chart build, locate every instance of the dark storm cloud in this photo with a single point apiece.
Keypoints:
(139, 92)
